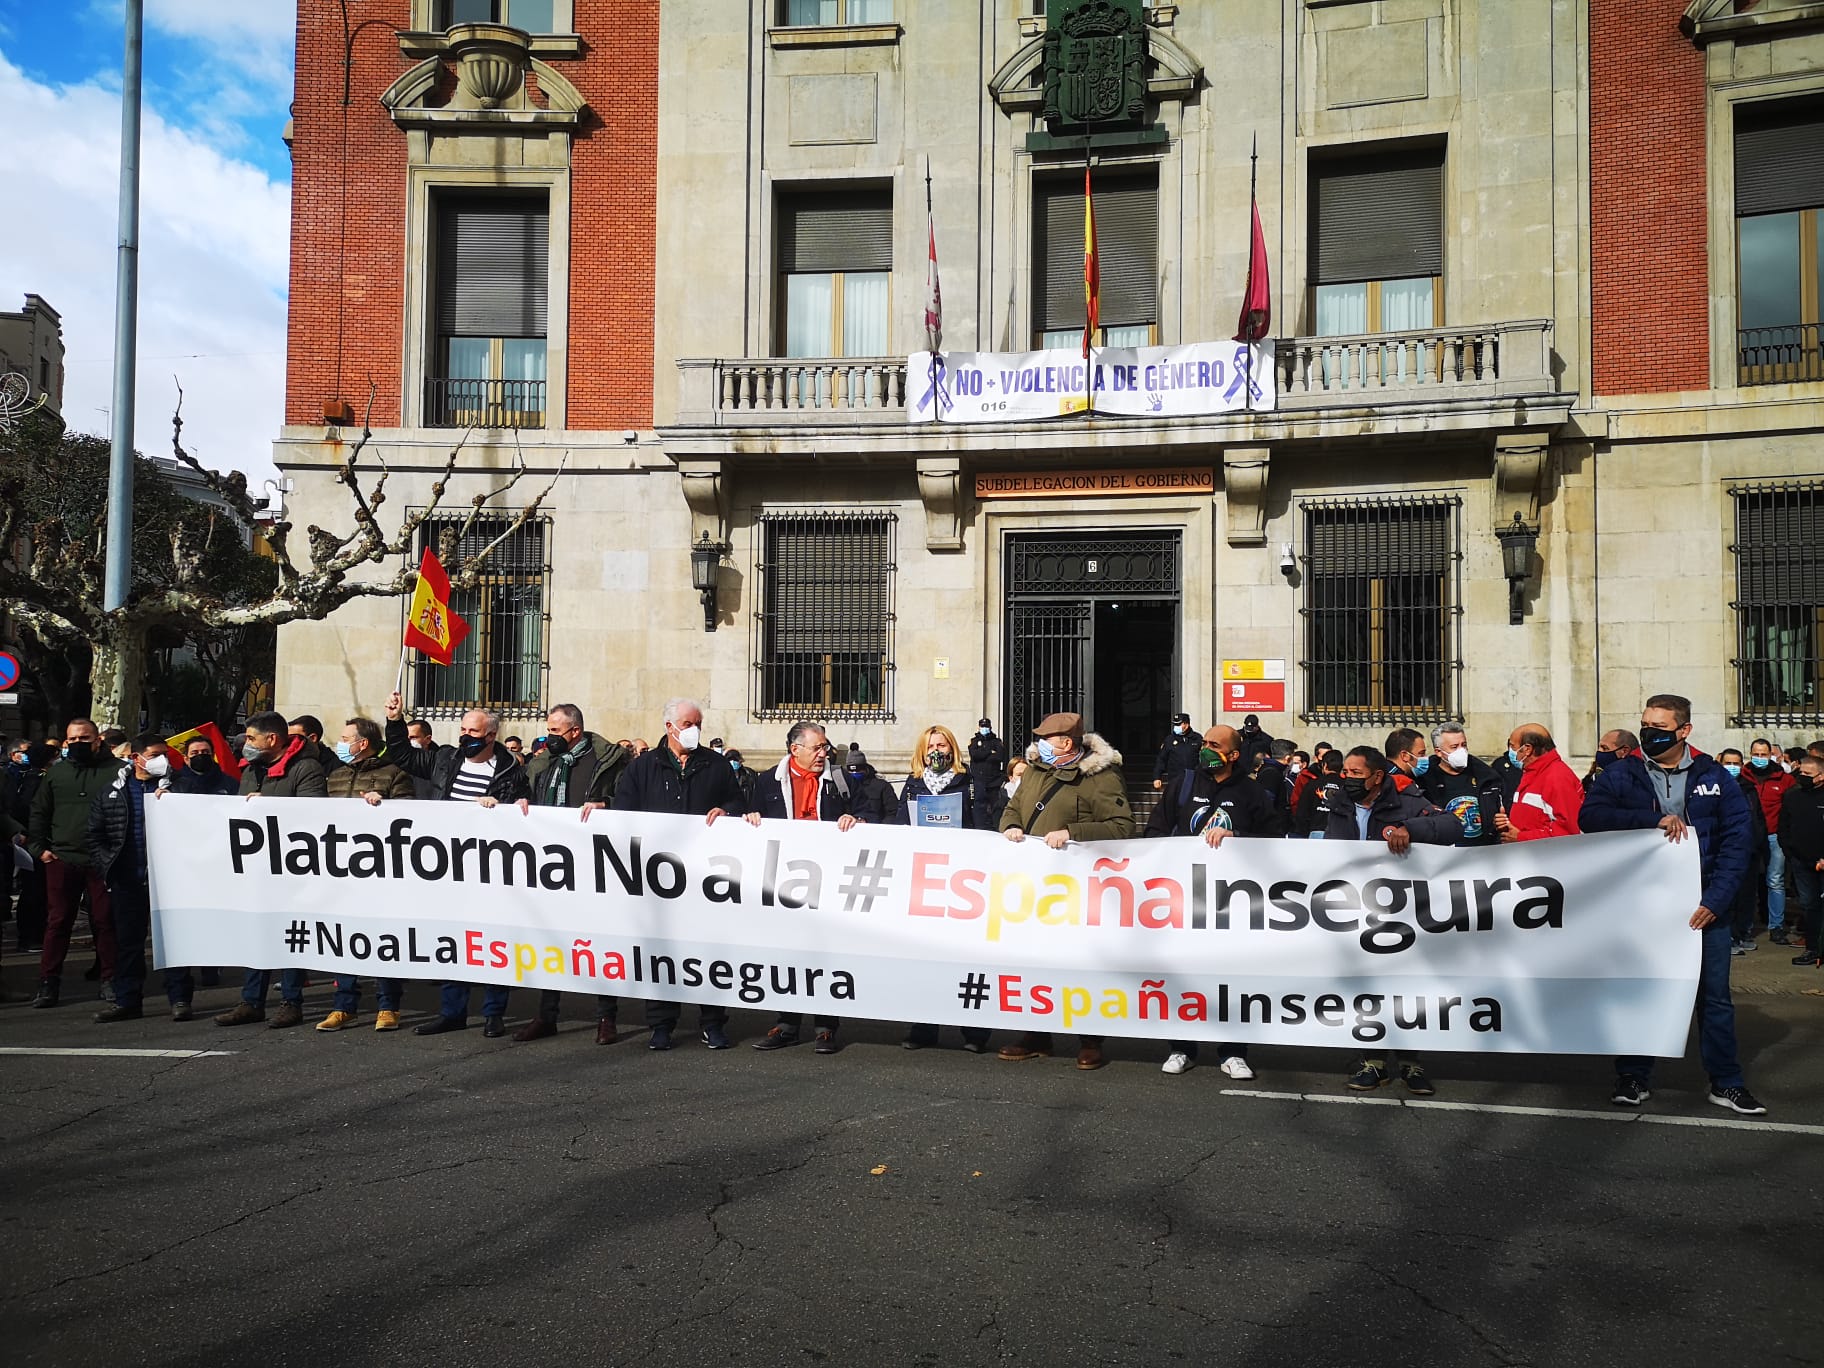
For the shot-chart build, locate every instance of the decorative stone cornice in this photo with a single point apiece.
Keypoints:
(491, 63)
(1708, 21)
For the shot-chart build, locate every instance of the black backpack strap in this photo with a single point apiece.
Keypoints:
(1045, 798)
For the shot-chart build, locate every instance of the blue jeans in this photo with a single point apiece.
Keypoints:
(387, 993)
(455, 1000)
(1776, 883)
(1716, 1018)
(259, 982)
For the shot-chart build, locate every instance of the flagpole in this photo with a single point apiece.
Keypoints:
(1247, 362)
(1089, 360)
(936, 414)
(399, 684)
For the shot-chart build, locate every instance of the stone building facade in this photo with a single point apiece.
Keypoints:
(1504, 284)
(31, 344)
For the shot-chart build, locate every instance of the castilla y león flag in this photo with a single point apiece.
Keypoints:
(431, 627)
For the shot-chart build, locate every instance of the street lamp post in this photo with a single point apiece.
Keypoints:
(119, 573)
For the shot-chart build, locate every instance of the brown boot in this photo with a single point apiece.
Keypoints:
(243, 1013)
(1090, 1057)
(604, 1031)
(536, 1029)
(288, 1014)
(1030, 1046)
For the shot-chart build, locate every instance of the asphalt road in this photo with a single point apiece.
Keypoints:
(352, 1199)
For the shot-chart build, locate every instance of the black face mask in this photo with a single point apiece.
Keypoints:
(81, 752)
(1357, 789)
(1656, 741)
(472, 746)
(557, 745)
(202, 764)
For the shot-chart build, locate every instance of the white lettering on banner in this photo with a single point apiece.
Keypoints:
(1140, 382)
(1579, 945)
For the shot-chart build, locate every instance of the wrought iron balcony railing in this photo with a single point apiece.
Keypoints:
(1780, 356)
(484, 403)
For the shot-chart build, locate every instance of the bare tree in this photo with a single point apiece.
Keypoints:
(51, 580)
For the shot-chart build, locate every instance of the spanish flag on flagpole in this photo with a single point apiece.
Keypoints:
(1092, 267)
(430, 626)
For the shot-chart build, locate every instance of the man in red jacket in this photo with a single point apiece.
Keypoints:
(1771, 784)
(1549, 797)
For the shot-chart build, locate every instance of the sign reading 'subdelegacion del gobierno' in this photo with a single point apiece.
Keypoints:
(1577, 945)
(1062, 484)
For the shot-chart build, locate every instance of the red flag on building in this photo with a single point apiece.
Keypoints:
(431, 627)
(1092, 268)
(1257, 300)
(934, 295)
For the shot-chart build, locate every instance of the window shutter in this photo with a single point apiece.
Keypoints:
(493, 257)
(1779, 156)
(845, 230)
(1127, 247)
(1377, 217)
(1377, 541)
(826, 584)
(1779, 551)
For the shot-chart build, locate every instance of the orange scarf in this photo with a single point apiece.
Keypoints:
(805, 787)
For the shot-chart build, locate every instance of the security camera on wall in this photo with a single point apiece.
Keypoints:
(1288, 563)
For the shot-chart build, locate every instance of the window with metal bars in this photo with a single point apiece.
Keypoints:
(501, 664)
(823, 631)
(1382, 631)
(490, 287)
(1779, 602)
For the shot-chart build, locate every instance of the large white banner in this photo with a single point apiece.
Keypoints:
(1155, 382)
(1576, 945)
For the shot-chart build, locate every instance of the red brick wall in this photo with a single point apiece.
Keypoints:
(347, 221)
(614, 215)
(1649, 243)
(348, 264)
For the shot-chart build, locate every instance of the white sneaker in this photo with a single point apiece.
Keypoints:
(1237, 1067)
(1176, 1062)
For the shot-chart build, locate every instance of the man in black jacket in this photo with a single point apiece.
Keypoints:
(1373, 808)
(681, 775)
(39, 756)
(311, 729)
(1215, 800)
(59, 831)
(1802, 838)
(1178, 756)
(279, 765)
(871, 798)
(803, 787)
(476, 770)
(117, 844)
(201, 773)
(987, 767)
(1457, 783)
(572, 769)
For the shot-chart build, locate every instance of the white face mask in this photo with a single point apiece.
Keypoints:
(1458, 759)
(689, 738)
(158, 766)
(1010, 786)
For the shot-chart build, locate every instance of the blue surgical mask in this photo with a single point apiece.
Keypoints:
(1046, 751)
(1422, 764)
(1760, 761)
(345, 753)
(1513, 756)
(1735, 771)
(985, 731)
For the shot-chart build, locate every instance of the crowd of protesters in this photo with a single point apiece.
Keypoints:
(76, 814)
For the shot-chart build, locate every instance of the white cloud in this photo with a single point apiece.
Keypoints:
(214, 255)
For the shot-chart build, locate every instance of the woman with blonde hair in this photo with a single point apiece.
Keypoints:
(936, 794)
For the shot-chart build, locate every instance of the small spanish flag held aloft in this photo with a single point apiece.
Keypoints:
(208, 731)
(1092, 269)
(431, 627)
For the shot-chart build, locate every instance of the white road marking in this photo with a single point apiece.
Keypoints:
(1571, 1113)
(121, 1055)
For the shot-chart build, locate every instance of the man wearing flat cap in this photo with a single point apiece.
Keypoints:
(1072, 791)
